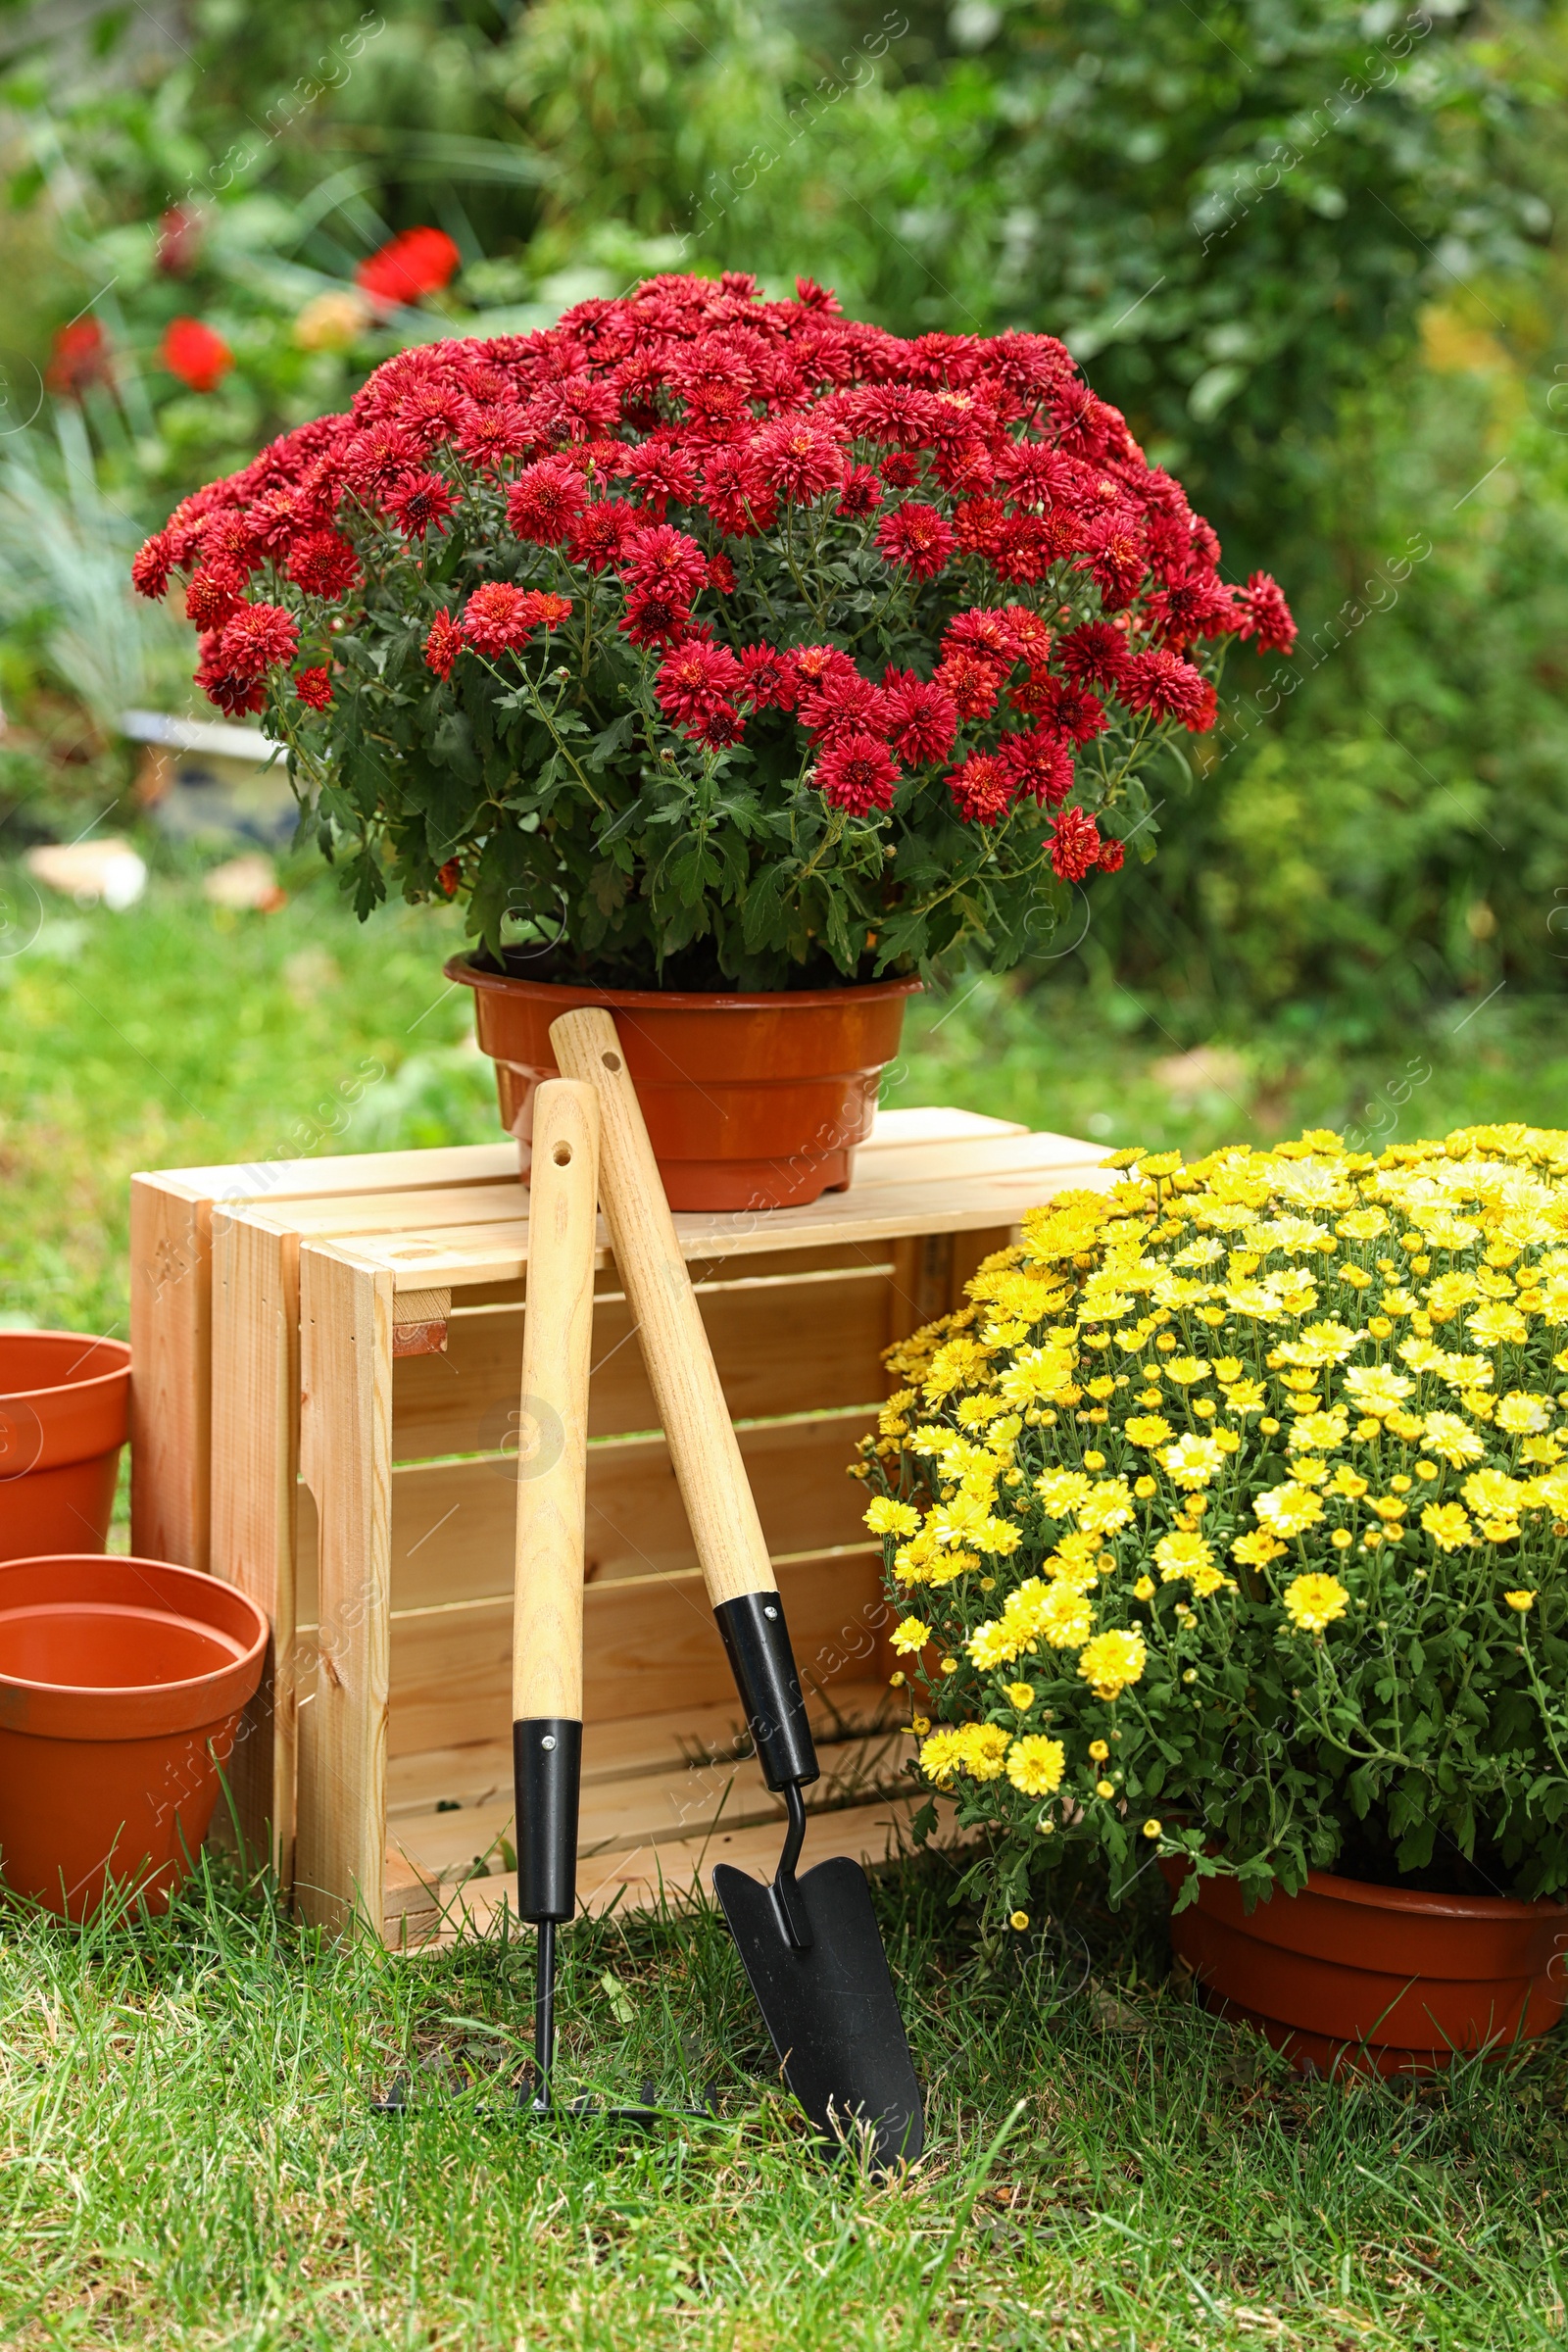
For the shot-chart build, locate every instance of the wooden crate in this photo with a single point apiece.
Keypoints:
(361, 1345)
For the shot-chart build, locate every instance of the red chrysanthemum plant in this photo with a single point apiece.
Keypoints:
(720, 641)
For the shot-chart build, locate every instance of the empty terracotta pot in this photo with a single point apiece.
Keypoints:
(1345, 1973)
(65, 1399)
(751, 1101)
(122, 1683)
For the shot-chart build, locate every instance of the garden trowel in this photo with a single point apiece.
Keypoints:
(810, 1943)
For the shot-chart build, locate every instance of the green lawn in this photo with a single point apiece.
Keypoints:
(186, 2152)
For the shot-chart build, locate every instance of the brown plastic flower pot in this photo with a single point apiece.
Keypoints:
(751, 1101)
(64, 1401)
(1345, 1973)
(122, 1683)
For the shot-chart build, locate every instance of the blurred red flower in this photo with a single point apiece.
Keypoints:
(179, 234)
(196, 353)
(419, 261)
(78, 358)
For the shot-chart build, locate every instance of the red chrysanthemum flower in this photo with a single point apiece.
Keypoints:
(1029, 633)
(1115, 556)
(1160, 682)
(694, 679)
(237, 696)
(1113, 857)
(545, 501)
(79, 359)
(662, 471)
(196, 353)
(1094, 655)
(770, 680)
(977, 524)
(211, 598)
(798, 459)
(153, 565)
(856, 773)
(420, 262)
(985, 634)
(814, 665)
(972, 682)
(843, 700)
(447, 878)
(1266, 614)
(597, 536)
(498, 618)
(420, 502)
(920, 715)
(1075, 845)
(739, 503)
(1197, 604)
(660, 557)
(487, 435)
(721, 574)
(257, 638)
(313, 688)
(443, 644)
(719, 727)
(982, 789)
(917, 537)
(860, 494)
(902, 471)
(655, 615)
(1071, 710)
(1041, 765)
(323, 564)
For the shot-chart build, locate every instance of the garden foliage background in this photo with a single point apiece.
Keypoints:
(1314, 250)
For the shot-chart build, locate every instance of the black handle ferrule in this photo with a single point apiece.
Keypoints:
(763, 1663)
(547, 1771)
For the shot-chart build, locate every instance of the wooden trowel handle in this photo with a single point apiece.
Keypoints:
(703, 1446)
(710, 1472)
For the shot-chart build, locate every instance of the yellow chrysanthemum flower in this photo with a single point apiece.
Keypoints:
(1112, 1662)
(909, 1634)
(1036, 1764)
(1448, 1526)
(1318, 1432)
(1106, 1508)
(1494, 1494)
(1187, 1370)
(1062, 1490)
(1192, 1462)
(1313, 1601)
(1181, 1555)
(1377, 1388)
(1520, 1601)
(994, 1643)
(1286, 1510)
(1020, 1695)
(1258, 1550)
(1497, 1325)
(1522, 1415)
(885, 1515)
(1147, 1429)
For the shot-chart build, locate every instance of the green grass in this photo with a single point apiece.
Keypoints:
(189, 2157)
(186, 2154)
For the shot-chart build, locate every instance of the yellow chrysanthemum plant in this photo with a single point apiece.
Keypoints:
(1226, 1522)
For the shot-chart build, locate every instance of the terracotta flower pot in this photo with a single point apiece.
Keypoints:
(750, 1101)
(120, 1686)
(1350, 1972)
(64, 1405)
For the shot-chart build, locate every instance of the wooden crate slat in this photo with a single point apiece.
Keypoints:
(959, 1202)
(649, 1647)
(772, 1359)
(170, 1338)
(623, 1749)
(345, 1458)
(649, 1876)
(652, 1808)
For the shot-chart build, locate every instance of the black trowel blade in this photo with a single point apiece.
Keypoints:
(831, 2011)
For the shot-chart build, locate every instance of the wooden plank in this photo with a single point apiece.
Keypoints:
(650, 1646)
(633, 1744)
(346, 1460)
(961, 1201)
(170, 1381)
(649, 1877)
(254, 1424)
(783, 1343)
(313, 1179)
(652, 1808)
(452, 1522)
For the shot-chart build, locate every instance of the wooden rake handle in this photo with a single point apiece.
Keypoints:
(553, 1436)
(708, 1470)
